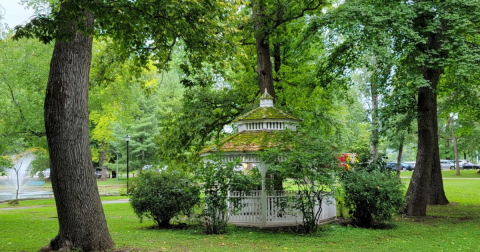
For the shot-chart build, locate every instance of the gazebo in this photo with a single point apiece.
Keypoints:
(256, 132)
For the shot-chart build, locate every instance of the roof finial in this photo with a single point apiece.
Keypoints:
(266, 100)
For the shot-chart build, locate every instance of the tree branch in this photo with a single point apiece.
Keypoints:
(281, 20)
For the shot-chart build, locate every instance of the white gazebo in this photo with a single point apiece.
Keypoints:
(256, 132)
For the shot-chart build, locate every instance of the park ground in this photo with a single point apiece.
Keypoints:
(453, 227)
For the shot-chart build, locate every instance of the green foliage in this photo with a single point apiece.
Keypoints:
(309, 161)
(23, 77)
(122, 191)
(5, 161)
(202, 117)
(40, 163)
(194, 24)
(161, 196)
(371, 195)
(218, 179)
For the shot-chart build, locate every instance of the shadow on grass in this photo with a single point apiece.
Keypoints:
(374, 225)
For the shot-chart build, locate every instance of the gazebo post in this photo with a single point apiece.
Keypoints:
(263, 170)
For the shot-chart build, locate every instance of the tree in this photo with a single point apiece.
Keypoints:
(266, 18)
(143, 130)
(426, 37)
(153, 28)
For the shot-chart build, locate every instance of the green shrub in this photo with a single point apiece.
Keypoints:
(122, 191)
(309, 164)
(218, 179)
(371, 195)
(160, 196)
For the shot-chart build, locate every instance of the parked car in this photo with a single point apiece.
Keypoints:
(45, 173)
(461, 162)
(403, 166)
(98, 172)
(391, 166)
(447, 164)
(411, 163)
(406, 167)
(468, 166)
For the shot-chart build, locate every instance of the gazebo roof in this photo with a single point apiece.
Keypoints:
(246, 141)
(266, 113)
(261, 130)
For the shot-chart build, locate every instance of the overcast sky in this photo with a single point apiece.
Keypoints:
(14, 13)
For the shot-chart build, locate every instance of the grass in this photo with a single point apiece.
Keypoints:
(447, 228)
(449, 174)
(50, 202)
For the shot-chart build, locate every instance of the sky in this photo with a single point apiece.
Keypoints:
(14, 13)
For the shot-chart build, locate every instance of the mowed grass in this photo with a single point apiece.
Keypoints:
(452, 227)
(449, 174)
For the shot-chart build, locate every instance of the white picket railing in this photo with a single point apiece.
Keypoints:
(280, 208)
(251, 211)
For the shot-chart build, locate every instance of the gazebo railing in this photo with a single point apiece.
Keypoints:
(251, 207)
(280, 208)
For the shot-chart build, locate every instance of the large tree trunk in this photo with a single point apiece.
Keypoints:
(264, 63)
(426, 185)
(81, 218)
(417, 193)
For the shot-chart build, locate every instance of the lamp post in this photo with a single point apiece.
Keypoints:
(127, 139)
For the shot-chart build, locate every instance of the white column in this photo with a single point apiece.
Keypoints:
(263, 170)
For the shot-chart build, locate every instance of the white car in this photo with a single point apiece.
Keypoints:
(447, 164)
(98, 172)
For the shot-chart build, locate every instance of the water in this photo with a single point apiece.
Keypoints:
(26, 195)
(18, 179)
(18, 172)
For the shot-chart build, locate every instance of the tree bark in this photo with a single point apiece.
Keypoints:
(277, 59)
(264, 63)
(82, 222)
(436, 194)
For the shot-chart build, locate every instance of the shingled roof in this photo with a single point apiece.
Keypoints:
(266, 113)
(246, 141)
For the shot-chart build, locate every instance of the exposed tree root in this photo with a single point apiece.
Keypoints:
(57, 244)
(47, 248)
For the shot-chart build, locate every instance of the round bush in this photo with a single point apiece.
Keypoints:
(160, 196)
(372, 195)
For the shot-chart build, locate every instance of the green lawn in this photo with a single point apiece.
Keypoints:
(452, 227)
(50, 202)
(449, 174)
